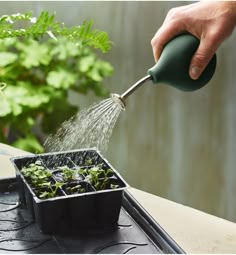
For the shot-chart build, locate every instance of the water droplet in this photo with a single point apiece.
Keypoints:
(90, 128)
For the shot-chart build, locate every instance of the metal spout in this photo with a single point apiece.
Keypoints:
(120, 99)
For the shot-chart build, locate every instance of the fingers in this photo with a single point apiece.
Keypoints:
(171, 27)
(210, 21)
(162, 36)
(202, 57)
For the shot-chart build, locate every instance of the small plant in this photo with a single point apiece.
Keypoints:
(88, 162)
(51, 190)
(68, 174)
(46, 183)
(97, 176)
(36, 173)
(114, 186)
(58, 205)
(40, 179)
(75, 189)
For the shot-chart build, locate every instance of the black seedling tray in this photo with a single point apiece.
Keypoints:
(93, 208)
(136, 231)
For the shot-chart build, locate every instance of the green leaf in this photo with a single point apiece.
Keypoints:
(5, 107)
(33, 54)
(7, 42)
(24, 95)
(34, 101)
(45, 24)
(13, 95)
(7, 58)
(30, 121)
(95, 69)
(29, 143)
(95, 75)
(16, 109)
(39, 73)
(104, 67)
(44, 194)
(64, 49)
(61, 79)
(86, 63)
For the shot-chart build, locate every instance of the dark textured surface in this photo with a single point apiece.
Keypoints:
(118, 240)
(20, 234)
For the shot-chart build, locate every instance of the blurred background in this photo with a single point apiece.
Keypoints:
(177, 145)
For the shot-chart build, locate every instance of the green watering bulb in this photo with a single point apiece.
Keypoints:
(173, 68)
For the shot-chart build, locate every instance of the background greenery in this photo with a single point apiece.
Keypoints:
(39, 73)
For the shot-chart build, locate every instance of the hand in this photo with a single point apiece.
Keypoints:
(212, 22)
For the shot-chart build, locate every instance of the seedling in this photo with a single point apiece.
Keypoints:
(68, 174)
(43, 182)
(88, 162)
(75, 189)
(51, 189)
(114, 186)
(36, 173)
(40, 179)
(88, 196)
(97, 176)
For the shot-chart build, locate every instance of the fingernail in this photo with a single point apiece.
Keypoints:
(194, 72)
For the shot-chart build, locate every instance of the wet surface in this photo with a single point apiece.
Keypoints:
(19, 233)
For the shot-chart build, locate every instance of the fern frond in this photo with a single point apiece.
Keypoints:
(45, 24)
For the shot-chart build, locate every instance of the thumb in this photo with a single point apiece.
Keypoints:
(201, 59)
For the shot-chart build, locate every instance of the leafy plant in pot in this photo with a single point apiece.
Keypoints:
(82, 195)
(46, 183)
(40, 64)
(41, 181)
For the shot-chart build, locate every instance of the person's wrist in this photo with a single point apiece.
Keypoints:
(231, 6)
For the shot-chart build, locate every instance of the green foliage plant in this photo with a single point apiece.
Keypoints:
(45, 186)
(51, 190)
(68, 174)
(75, 189)
(98, 177)
(39, 177)
(36, 174)
(41, 60)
